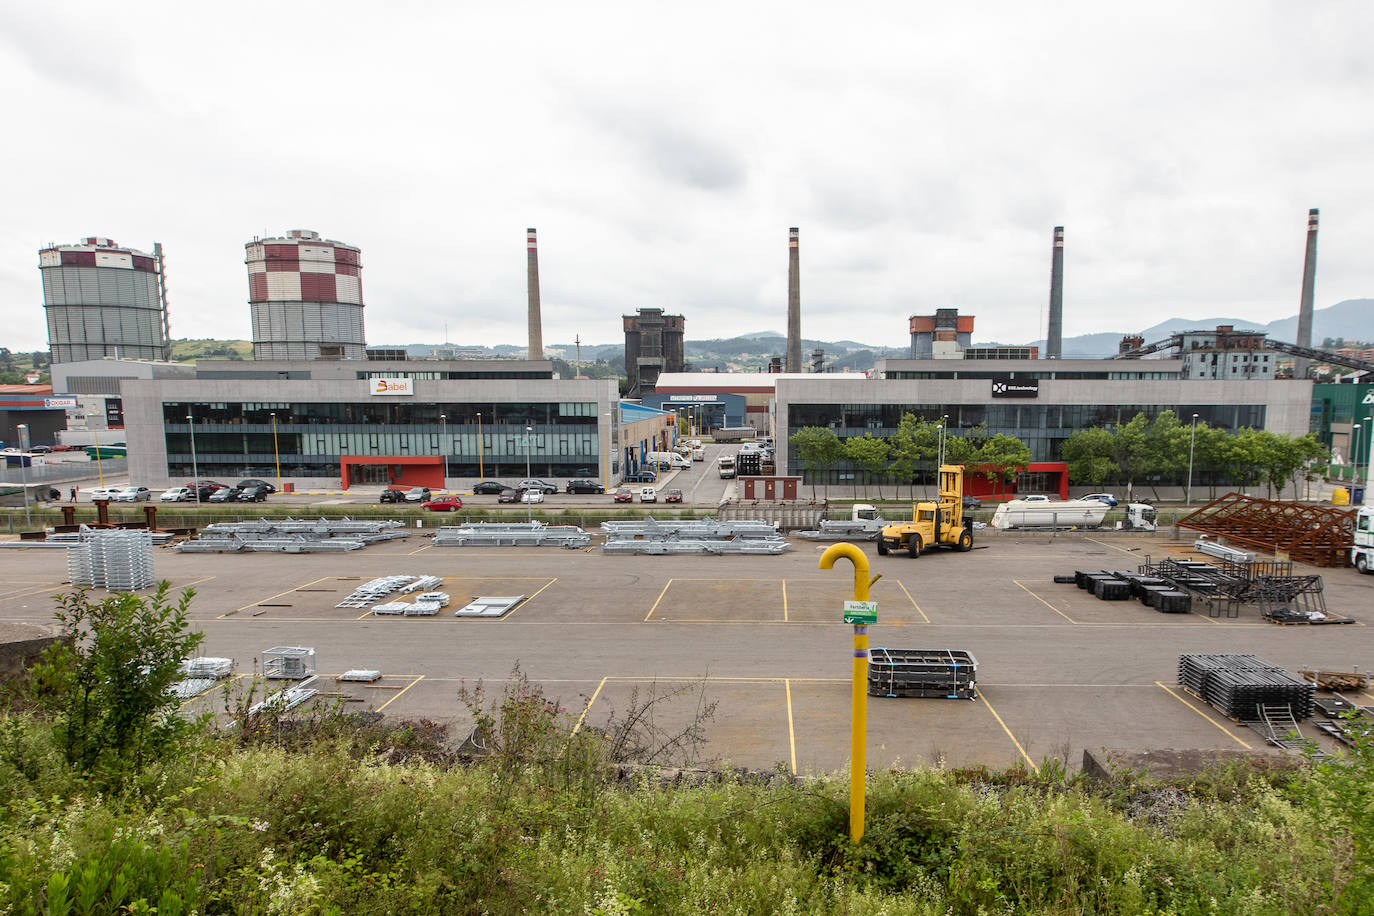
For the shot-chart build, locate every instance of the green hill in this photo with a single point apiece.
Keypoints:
(185, 351)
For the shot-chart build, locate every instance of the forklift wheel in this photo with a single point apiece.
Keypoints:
(913, 546)
(965, 541)
(882, 547)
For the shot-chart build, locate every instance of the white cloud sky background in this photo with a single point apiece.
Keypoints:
(662, 152)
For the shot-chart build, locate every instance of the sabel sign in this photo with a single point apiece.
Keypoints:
(392, 386)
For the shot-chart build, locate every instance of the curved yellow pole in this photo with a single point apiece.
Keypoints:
(858, 728)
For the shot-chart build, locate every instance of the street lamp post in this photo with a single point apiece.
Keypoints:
(23, 430)
(1369, 469)
(529, 444)
(99, 465)
(606, 458)
(195, 471)
(443, 431)
(1355, 452)
(481, 470)
(1192, 441)
(276, 451)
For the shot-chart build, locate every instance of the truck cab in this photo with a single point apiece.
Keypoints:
(1362, 551)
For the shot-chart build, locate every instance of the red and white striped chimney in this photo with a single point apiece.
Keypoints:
(536, 344)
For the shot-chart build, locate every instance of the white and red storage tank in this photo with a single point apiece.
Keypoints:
(306, 297)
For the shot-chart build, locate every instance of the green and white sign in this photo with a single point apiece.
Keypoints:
(861, 613)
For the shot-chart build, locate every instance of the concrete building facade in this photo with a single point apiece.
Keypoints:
(102, 299)
(305, 297)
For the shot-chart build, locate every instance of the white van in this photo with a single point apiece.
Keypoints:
(648, 495)
(669, 459)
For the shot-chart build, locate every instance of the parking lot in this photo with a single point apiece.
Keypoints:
(1059, 671)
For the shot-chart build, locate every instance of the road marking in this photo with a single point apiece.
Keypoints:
(1029, 762)
(1112, 546)
(791, 733)
(660, 598)
(912, 600)
(522, 604)
(1204, 715)
(1043, 601)
(588, 708)
(419, 550)
(195, 582)
(417, 680)
(277, 595)
(784, 609)
(31, 592)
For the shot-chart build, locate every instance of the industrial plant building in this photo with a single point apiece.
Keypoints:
(101, 299)
(655, 343)
(305, 297)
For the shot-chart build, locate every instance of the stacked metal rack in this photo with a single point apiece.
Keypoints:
(704, 536)
(1227, 585)
(288, 535)
(374, 590)
(947, 673)
(512, 534)
(1244, 687)
(288, 662)
(120, 560)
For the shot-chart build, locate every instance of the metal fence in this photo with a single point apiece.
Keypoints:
(64, 471)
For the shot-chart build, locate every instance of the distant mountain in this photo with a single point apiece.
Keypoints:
(1352, 319)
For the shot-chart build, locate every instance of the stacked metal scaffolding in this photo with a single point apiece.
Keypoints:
(1244, 687)
(947, 673)
(288, 535)
(1225, 586)
(1320, 535)
(705, 536)
(199, 675)
(374, 590)
(120, 560)
(288, 662)
(864, 529)
(513, 534)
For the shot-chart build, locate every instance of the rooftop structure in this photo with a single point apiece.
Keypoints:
(306, 298)
(102, 299)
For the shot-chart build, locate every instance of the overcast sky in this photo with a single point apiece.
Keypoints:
(662, 150)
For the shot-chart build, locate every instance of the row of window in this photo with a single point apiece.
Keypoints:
(1013, 419)
(382, 412)
(464, 445)
(1132, 375)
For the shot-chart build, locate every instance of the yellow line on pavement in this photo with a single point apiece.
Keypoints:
(588, 708)
(1204, 715)
(1043, 601)
(400, 693)
(660, 598)
(1112, 546)
(913, 601)
(784, 601)
(277, 595)
(418, 550)
(512, 611)
(1029, 762)
(791, 733)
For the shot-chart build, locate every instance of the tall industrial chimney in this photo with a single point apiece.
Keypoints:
(793, 303)
(1309, 284)
(536, 346)
(1054, 340)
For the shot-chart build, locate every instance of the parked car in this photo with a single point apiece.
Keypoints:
(392, 496)
(205, 488)
(40, 450)
(105, 492)
(224, 495)
(442, 504)
(488, 487)
(252, 494)
(532, 496)
(534, 483)
(672, 496)
(623, 495)
(972, 502)
(644, 476)
(1034, 498)
(585, 486)
(255, 482)
(418, 495)
(648, 495)
(133, 495)
(176, 495)
(508, 495)
(1107, 498)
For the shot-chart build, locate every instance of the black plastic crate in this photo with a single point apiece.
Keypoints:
(1174, 602)
(1112, 589)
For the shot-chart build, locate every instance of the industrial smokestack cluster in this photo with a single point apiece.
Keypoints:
(1054, 339)
(536, 345)
(1309, 284)
(794, 356)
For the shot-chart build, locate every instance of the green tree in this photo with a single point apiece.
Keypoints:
(873, 455)
(1089, 454)
(915, 442)
(107, 681)
(819, 450)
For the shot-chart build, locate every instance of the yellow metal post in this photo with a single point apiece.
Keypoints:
(858, 732)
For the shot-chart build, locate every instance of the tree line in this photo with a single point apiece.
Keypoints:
(914, 446)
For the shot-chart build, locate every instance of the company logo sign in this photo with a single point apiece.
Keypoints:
(392, 386)
(64, 403)
(1368, 398)
(1007, 387)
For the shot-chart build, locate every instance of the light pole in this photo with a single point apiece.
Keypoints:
(1368, 471)
(606, 458)
(443, 431)
(1354, 452)
(481, 470)
(99, 465)
(23, 430)
(195, 471)
(529, 444)
(1192, 441)
(276, 452)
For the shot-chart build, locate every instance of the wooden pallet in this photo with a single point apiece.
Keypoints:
(1336, 680)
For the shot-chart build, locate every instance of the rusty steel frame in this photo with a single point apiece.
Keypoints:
(1320, 535)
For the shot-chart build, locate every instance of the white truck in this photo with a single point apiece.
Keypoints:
(726, 465)
(1362, 551)
(1023, 513)
(668, 460)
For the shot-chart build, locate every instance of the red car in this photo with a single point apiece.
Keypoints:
(443, 504)
(623, 495)
(672, 496)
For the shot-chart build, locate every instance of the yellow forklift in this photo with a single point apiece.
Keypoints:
(937, 524)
